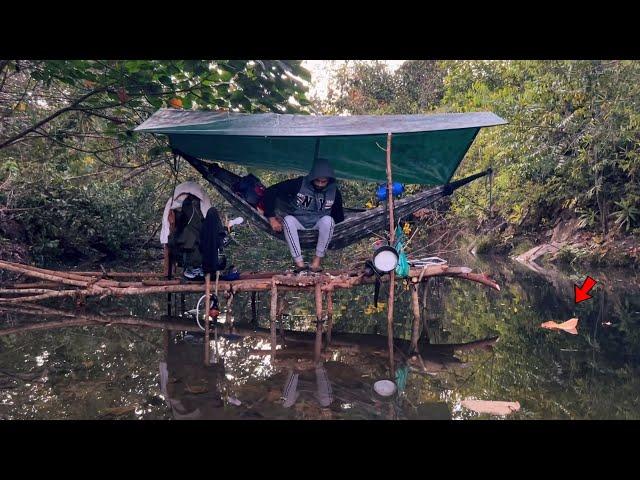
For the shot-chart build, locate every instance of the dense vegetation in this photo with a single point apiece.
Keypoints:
(75, 181)
(571, 149)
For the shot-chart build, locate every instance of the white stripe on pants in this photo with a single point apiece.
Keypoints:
(325, 231)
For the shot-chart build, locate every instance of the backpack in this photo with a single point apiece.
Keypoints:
(184, 240)
(251, 189)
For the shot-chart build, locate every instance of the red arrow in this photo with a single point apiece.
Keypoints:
(582, 293)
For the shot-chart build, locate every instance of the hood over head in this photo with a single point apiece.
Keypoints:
(321, 168)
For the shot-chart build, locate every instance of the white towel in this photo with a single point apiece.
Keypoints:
(175, 201)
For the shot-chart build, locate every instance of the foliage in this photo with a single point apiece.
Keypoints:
(571, 144)
(74, 222)
(627, 215)
(371, 88)
(68, 153)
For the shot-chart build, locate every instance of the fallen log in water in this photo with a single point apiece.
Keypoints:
(113, 274)
(49, 285)
(96, 286)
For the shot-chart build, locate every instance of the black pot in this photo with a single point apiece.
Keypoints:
(385, 259)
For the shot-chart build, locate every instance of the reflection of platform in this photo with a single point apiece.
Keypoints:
(292, 386)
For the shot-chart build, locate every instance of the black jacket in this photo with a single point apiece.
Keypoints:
(211, 240)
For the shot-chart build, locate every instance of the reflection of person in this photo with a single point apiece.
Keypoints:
(190, 389)
(312, 202)
(323, 394)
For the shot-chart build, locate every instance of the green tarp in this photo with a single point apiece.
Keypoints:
(426, 149)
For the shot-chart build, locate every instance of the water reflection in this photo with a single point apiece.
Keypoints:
(91, 371)
(247, 382)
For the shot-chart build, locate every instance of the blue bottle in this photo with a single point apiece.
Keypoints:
(397, 189)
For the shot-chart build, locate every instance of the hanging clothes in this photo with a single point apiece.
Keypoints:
(211, 242)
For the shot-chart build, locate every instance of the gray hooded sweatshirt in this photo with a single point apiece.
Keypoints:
(302, 199)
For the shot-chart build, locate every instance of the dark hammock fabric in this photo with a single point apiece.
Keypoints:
(356, 225)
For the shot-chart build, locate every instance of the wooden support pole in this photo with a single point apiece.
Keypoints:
(175, 303)
(229, 313)
(392, 229)
(167, 338)
(272, 317)
(254, 311)
(392, 275)
(329, 315)
(207, 307)
(425, 309)
(415, 304)
(318, 343)
(281, 305)
(166, 261)
(169, 272)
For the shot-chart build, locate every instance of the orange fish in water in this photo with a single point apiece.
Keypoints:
(570, 326)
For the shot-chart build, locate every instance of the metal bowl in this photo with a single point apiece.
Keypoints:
(385, 259)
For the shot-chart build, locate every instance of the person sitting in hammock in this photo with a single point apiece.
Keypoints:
(312, 202)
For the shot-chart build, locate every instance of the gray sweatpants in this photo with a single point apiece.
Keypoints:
(291, 225)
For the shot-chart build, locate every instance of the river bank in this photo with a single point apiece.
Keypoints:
(566, 243)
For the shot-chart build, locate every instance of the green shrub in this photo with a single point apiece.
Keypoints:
(100, 218)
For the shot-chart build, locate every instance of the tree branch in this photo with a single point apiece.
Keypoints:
(70, 107)
(101, 115)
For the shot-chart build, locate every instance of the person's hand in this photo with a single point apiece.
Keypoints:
(276, 224)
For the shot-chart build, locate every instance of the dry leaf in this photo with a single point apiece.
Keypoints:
(570, 326)
(196, 389)
(491, 407)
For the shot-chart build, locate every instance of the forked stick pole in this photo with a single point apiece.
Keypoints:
(272, 317)
(207, 307)
(318, 343)
(392, 275)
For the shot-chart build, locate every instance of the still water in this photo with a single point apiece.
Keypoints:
(118, 372)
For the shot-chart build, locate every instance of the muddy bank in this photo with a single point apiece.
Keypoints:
(565, 243)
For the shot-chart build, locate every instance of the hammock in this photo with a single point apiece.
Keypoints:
(427, 150)
(356, 225)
